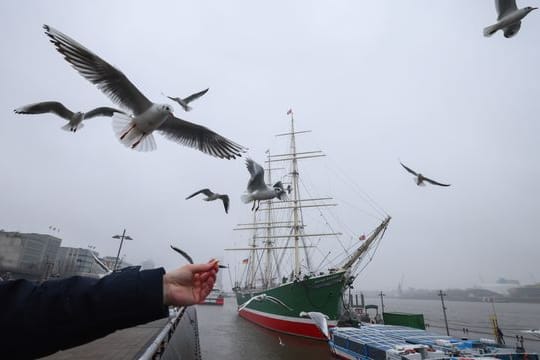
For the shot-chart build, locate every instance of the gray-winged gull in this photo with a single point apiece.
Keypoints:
(319, 319)
(210, 196)
(257, 188)
(185, 101)
(508, 18)
(419, 178)
(75, 119)
(135, 131)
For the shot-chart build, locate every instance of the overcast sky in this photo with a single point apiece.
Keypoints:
(376, 82)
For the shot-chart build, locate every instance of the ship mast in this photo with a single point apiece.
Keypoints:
(296, 227)
(366, 244)
(267, 280)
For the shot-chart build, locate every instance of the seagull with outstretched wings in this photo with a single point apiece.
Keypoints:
(101, 264)
(419, 178)
(508, 18)
(75, 119)
(189, 258)
(135, 131)
(211, 196)
(185, 101)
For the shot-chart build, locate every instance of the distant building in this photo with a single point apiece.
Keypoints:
(528, 292)
(27, 255)
(110, 261)
(76, 261)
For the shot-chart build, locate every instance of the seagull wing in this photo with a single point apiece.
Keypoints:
(504, 7)
(320, 321)
(225, 199)
(201, 138)
(409, 170)
(195, 96)
(173, 98)
(100, 73)
(512, 30)
(102, 111)
(206, 192)
(183, 253)
(434, 182)
(101, 264)
(46, 107)
(256, 181)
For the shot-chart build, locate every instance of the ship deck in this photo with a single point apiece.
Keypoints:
(129, 343)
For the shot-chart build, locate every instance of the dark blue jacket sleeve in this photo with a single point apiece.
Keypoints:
(37, 320)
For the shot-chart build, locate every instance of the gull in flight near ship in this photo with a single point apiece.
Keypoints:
(75, 119)
(319, 319)
(135, 131)
(101, 265)
(257, 188)
(508, 18)
(189, 258)
(419, 178)
(210, 196)
(185, 101)
(264, 297)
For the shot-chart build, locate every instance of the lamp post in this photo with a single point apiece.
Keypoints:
(441, 294)
(122, 238)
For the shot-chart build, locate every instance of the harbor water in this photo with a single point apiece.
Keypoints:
(224, 335)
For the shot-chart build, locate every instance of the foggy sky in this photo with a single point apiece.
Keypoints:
(376, 82)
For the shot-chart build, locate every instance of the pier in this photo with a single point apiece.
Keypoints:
(175, 337)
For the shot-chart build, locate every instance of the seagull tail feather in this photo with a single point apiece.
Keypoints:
(69, 127)
(490, 30)
(246, 198)
(130, 136)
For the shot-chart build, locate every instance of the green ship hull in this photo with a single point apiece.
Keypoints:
(322, 293)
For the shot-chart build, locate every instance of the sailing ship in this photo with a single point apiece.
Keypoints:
(281, 282)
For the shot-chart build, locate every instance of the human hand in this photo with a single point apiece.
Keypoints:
(189, 284)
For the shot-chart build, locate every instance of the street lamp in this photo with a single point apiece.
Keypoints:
(122, 237)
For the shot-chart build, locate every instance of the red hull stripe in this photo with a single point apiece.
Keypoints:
(299, 328)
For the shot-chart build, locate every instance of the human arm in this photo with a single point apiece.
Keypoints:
(41, 319)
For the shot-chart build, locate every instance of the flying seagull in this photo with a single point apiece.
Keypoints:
(185, 101)
(421, 178)
(75, 119)
(264, 297)
(508, 18)
(101, 264)
(319, 319)
(210, 196)
(257, 188)
(135, 131)
(189, 258)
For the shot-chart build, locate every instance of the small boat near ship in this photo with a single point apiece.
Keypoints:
(281, 280)
(216, 297)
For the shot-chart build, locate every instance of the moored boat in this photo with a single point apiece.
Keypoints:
(215, 297)
(388, 342)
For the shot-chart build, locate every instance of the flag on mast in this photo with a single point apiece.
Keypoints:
(362, 237)
(245, 261)
(289, 112)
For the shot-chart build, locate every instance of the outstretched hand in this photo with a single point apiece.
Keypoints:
(189, 284)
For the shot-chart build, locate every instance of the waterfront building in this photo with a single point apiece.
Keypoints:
(27, 255)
